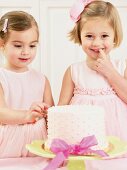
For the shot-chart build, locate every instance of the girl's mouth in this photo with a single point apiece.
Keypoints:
(24, 59)
(96, 50)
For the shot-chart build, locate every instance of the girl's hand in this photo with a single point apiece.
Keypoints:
(103, 64)
(38, 110)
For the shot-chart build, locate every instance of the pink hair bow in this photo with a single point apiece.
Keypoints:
(63, 150)
(77, 9)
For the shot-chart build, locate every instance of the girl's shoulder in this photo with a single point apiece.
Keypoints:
(78, 64)
(36, 72)
(2, 72)
(30, 73)
(78, 69)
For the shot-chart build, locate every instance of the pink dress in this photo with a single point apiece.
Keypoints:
(92, 88)
(21, 89)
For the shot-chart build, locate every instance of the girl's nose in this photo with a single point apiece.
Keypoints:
(25, 51)
(97, 42)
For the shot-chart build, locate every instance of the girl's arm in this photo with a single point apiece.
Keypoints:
(104, 66)
(48, 99)
(67, 88)
(119, 83)
(13, 116)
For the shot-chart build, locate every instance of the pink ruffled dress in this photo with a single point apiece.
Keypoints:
(21, 90)
(92, 88)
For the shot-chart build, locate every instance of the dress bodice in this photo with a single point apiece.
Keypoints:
(90, 82)
(22, 89)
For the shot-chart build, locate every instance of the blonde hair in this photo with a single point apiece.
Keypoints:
(99, 9)
(17, 21)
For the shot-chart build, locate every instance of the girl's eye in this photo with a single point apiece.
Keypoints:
(18, 46)
(32, 46)
(105, 36)
(89, 36)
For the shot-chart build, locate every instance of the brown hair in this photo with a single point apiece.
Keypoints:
(17, 21)
(98, 9)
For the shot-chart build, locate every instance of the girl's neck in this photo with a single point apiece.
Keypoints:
(16, 69)
(90, 62)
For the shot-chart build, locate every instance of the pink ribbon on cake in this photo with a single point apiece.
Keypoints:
(63, 150)
(78, 8)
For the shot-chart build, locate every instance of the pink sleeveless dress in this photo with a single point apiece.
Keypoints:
(92, 88)
(21, 90)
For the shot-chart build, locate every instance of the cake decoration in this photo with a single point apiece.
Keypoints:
(63, 150)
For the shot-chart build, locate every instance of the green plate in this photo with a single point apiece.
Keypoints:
(119, 148)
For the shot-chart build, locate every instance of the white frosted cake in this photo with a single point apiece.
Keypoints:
(74, 122)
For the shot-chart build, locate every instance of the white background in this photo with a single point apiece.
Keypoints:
(56, 52)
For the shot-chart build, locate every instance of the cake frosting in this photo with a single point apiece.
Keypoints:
(72, 123)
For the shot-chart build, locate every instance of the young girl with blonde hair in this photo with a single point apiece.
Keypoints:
(98, 80)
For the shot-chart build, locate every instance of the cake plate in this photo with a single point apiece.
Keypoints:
(119, 147)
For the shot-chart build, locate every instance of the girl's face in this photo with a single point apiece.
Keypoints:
(97, 34)
(20, 49)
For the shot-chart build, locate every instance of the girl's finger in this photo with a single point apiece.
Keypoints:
(102, 54)
(46, 106)
(36, 108)
(38, 118)
(43, 106)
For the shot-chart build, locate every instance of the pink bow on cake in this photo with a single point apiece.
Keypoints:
(63, 150)
(77, 9)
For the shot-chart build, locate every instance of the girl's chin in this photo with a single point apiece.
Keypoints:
(93, 57)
